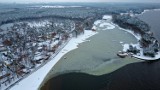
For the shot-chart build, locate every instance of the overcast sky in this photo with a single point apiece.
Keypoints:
(38, 1)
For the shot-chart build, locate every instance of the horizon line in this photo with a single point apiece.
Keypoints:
(73, 2)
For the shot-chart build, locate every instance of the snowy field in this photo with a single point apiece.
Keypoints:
(105, 23)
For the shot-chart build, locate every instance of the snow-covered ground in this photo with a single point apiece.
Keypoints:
(107, 17)
(38, 24)
(156, 9)
(137, 36)
(56, 6)
(33, 81)
(140, 55)
(126, 46)
(105, 23)
(97, 22)
(133, 15)
(147, 11)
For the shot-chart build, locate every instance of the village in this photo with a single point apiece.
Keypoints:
(26, 47)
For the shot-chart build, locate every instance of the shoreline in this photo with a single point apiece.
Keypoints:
(100, 23)
(43, 71)
(77, 41)
(141, 56)
(147, 10)
(73, 43)
(138, 37)
(158, 53)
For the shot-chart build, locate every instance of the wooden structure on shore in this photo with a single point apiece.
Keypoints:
(122, 54)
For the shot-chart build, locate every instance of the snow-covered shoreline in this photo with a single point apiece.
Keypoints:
(140, 55)
(138, 37)
(33, 81)
(147, 10)
(38, 76)
(104, 23)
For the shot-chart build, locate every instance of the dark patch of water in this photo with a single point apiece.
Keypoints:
(135, 76)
